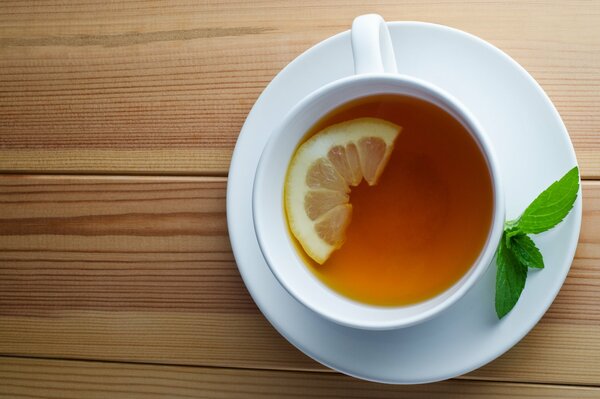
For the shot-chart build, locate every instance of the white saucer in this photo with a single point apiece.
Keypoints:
(533, 149)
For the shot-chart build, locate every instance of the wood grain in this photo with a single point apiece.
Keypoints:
(140, 269)
(40, 378)
(149, 87)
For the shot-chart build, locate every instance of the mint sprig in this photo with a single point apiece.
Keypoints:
(517, 252)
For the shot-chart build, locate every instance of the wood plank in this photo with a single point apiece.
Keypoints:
(552, 353)
(88, 265)
(164, 87)
(41, 378)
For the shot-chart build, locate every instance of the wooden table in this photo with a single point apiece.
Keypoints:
(117, 123)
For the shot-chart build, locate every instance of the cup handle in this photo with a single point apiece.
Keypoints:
(372, 45)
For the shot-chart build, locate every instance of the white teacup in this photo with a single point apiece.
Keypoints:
(376, 73)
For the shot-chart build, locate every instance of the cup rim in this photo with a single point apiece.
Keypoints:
(470, 277)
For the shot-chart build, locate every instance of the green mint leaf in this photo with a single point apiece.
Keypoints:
(549, 208)
(510, 279)
(524, 249)
(517, 252)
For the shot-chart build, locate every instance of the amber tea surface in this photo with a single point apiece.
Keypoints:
(421, 228)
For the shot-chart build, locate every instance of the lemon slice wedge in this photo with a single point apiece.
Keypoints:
(320, 175)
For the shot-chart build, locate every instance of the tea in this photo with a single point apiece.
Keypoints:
(422, 227)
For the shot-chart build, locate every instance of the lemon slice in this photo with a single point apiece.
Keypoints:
(320, 174)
